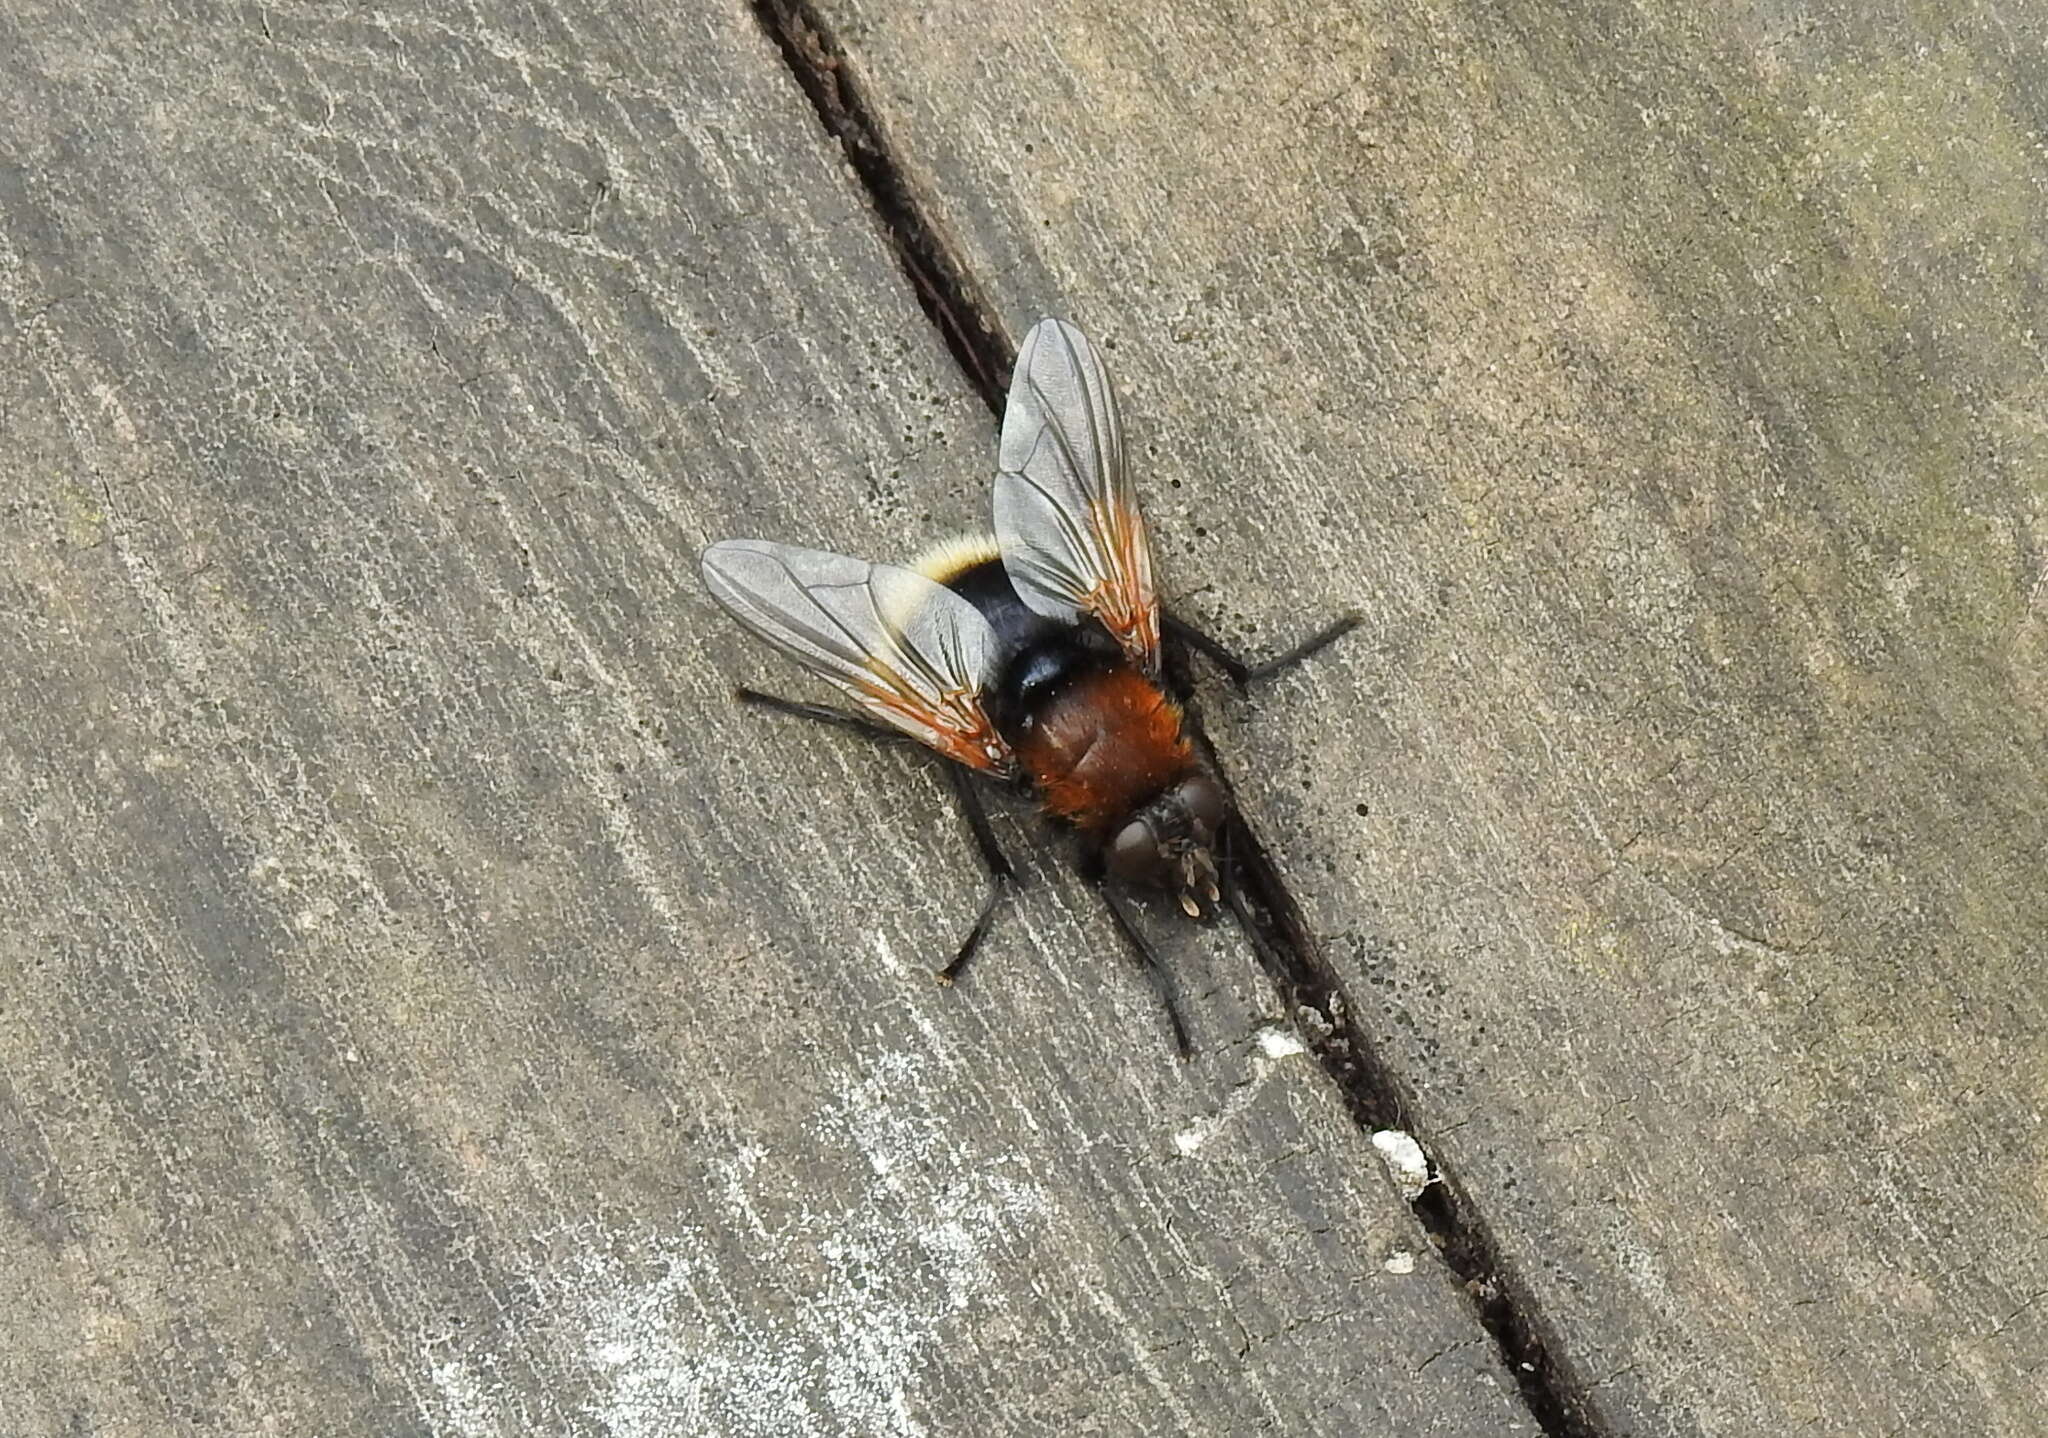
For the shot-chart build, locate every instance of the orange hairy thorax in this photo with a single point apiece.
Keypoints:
(1104, 747)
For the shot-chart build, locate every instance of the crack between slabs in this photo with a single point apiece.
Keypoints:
(1271, 917)
(1378, 1099)
(953, 303)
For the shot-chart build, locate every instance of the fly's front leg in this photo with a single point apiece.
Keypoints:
(1141, 952)
(1002, 875)
(1241, 672)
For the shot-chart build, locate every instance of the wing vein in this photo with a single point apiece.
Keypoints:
(907, 649)
(1066, 516)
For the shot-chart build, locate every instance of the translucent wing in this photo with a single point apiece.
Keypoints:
(910, 651)
(1066, 517)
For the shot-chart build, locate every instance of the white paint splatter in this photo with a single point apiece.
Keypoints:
(776, 1325)
(1278, 1043)
(1406, 1163)
(1272, 1042)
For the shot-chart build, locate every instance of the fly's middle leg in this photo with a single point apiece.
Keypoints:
(1242, 672)
(1002, 874)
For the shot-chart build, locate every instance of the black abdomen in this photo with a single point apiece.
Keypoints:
(1041, 657)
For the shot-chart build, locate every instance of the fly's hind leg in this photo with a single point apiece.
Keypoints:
(1002, 875)
(823, 714)
(1242, 672)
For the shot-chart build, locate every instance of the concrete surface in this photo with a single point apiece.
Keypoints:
(429, 1005)
(1667, 384)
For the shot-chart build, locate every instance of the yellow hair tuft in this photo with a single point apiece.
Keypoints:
(950, 558)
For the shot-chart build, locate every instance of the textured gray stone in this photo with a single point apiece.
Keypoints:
(1666, 383)
(427, 1005)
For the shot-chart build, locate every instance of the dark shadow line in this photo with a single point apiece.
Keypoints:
(950, 299)
(1378, 1099)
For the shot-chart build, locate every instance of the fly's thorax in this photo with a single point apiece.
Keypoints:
(1104, 743)
(984, 583)
(950, 558)
(1051, 663)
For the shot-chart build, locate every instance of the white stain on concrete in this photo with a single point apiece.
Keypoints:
(790, 1319)
(1407, 1165)
(1276, 1042)
(1271, 1043)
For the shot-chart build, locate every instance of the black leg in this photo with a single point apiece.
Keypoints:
(1329, 634)
(1002, 878)
(1242, 674)
(1142, 953)
(824, 714)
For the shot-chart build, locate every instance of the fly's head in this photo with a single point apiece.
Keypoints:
(1171, 844)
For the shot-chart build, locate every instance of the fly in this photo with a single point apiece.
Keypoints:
(1031, 657)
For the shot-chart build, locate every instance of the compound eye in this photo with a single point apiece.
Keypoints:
(1134, 856)
(1203, 798)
